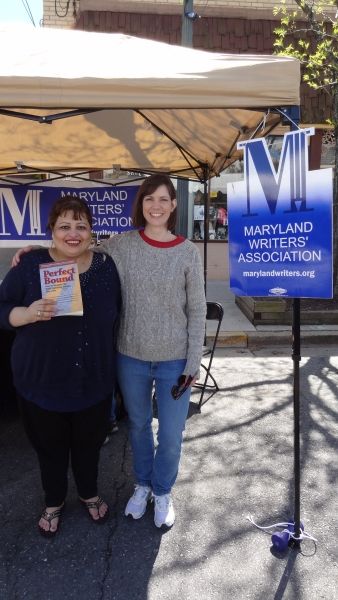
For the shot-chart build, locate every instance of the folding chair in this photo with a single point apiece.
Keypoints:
(214, 313)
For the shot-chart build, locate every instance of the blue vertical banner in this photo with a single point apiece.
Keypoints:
(24, 210)
(280, 223)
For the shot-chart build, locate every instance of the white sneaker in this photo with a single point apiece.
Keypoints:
(164, 511)
(137, 504)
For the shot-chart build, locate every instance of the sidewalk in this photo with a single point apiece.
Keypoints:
(238, 332)
(237, 461)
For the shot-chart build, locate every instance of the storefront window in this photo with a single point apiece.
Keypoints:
(218, 216)
(218, 210)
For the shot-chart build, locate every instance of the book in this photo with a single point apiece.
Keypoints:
(60, 281)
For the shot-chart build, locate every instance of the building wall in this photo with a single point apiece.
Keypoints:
(245, 9)
(253, 9)
(217, 260)
(63, 17)
(220, 34)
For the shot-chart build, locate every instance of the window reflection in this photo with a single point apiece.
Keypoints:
(218, 216)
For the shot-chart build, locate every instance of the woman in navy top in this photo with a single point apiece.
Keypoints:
(63, 367)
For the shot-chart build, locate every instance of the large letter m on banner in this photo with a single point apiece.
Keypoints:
(291, 174)
(12, 219)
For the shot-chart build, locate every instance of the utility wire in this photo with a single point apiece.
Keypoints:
(28, 11)
(64, 8)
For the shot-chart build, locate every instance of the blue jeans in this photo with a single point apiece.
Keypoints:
(155, 468)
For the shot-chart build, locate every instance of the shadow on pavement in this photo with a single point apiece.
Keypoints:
(114, 560)
(237, 461)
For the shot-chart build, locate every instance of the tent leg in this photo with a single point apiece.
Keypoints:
(205, 236)
(206, 225)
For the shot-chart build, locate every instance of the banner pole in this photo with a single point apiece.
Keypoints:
(296, 413)
(296, 357)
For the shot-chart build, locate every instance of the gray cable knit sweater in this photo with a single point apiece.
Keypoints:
(163, 300)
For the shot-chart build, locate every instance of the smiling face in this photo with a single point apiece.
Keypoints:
(158, 206)
(71, 237)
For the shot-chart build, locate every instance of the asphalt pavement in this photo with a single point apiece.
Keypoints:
(238, 460)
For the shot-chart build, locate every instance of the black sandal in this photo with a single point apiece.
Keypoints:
(49, 517)
(95, 504)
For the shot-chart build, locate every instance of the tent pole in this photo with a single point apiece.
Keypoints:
(183, 185)
(206, 195)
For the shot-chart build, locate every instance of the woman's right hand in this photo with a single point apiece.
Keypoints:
(19, 253)
(40, 310)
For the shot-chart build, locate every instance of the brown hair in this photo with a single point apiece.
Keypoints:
(78, 206)
(149, 185)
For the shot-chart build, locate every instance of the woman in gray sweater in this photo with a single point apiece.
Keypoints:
(160, 339)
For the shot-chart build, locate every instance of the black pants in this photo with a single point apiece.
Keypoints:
(58, 436)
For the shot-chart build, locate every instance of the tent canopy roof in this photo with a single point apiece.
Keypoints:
(153, 106)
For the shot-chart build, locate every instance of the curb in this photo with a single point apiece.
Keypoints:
(241, 339)
(230, 339)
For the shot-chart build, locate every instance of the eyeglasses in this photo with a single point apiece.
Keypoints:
(182, 385)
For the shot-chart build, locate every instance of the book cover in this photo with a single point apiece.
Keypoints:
(60, 281)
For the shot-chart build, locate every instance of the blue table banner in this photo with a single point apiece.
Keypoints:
(24, 210)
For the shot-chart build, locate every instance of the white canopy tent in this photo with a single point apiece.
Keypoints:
(146, 106)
